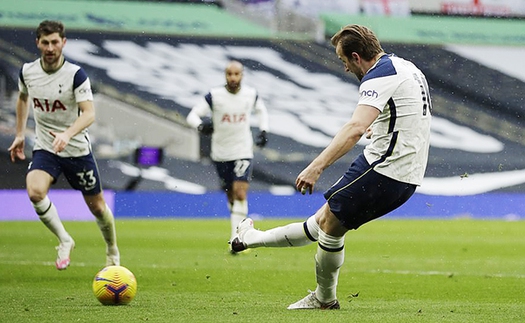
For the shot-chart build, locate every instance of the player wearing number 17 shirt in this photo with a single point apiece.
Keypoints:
(59, 93)
(394, 111)
(230, 107)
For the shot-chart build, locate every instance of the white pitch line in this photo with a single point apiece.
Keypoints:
(375, 271)
(444, 273)
(73, 264)
(38, 263)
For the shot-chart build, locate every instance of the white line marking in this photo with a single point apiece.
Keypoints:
(376, 271)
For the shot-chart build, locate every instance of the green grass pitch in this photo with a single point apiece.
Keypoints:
(395, 271)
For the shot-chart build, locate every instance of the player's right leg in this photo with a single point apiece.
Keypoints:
(37, 184)
(292, 235)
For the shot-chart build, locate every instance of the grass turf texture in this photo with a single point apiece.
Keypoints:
(395, 271)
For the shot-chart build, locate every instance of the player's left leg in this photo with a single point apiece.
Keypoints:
(82, 174)
(358, 197)
(106, 223)
(328, 260)
(240, 172)
(239, 209)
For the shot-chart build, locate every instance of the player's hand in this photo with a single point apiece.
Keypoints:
(60, 142)
(261, 139)
(206, 127)
(305, 188)
(307, 178)
(369, 133)
(16, 150)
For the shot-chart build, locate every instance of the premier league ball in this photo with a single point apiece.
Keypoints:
(115, 285)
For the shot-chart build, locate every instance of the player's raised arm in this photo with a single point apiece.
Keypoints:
(342, 143)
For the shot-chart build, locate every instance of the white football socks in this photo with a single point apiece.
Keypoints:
(239, 211)
(48, 214)
(292, 235)
(329, 258)
(106, 224)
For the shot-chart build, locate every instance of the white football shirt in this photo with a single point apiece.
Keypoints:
(231, 115)
(54, 98)
(401, 132)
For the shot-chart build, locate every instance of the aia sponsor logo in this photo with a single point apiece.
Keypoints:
(233, 118)
(46, 106)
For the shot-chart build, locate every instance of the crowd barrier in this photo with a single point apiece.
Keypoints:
(16, 206)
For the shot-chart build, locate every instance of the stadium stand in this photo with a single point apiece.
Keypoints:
(479, 109)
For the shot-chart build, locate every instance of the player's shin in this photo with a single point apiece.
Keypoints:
(239, 211)
(328, 260)
(48, 214)
(292, 235)
(106, 224)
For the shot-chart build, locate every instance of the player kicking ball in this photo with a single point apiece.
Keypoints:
(394, 110)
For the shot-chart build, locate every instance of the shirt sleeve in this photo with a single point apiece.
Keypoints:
(21, 83)
(201, 109)
(377, 91)
(82, 87)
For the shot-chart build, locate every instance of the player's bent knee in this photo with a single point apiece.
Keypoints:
(96, 204)
(240, 197)
(330, 224)
(36, 194)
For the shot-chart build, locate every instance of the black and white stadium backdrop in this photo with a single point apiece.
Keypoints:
(476, 142)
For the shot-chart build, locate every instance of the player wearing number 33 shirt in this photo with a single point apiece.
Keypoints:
(59, 94)
(55, 100)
